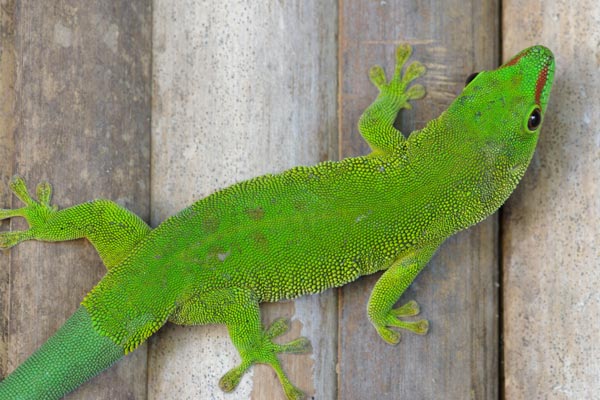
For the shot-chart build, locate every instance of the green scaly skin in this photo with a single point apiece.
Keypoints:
(295, 233)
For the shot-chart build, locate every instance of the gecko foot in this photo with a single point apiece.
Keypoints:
(396, 88)
(36, 212)
(409, 309)
(265, 352)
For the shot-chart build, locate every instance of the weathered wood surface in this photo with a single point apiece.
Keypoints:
(458, 289)
(551, 239)
(75, 110)
(240, 89)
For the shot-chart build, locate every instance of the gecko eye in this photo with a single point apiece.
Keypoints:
(535, 119)
(471, 77)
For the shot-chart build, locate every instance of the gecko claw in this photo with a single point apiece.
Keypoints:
(18, 187)
(10, 239)
(44, 192)
(403, 53)
(413, 71)
(407, 310)
(377, 76)
(278, 328)
(415, 92)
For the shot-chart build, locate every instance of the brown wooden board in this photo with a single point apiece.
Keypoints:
(458, 290)
(551, 238)
(75, 111)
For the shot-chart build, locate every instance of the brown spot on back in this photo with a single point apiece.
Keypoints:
(260, 239)
(210, 224)
(300, 205)
(256, 213)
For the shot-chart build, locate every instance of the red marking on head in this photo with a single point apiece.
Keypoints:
(539, 85)
(514, 60)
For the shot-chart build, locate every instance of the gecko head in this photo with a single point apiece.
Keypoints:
(531, 71)
(503, 109)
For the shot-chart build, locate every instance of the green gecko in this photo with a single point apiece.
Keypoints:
(298, 232)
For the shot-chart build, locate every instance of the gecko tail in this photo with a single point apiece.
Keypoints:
(73, 355)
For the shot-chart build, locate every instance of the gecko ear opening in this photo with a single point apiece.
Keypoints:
(471, 77)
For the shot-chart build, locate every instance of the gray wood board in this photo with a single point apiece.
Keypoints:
(551, 239)
(240, 89)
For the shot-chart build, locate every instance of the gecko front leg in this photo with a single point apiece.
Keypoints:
(376, 124)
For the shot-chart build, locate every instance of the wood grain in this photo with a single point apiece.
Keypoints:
(76, 113)
(458, 290)
(551, 239)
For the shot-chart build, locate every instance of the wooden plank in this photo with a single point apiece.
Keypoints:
(241, 89)
(551, 238)
(8, 103)
(458, 290)
(79, 118)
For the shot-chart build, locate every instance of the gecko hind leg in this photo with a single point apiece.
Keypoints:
(113, 230)
(238, 309)
(388, 289)
(266, 353)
